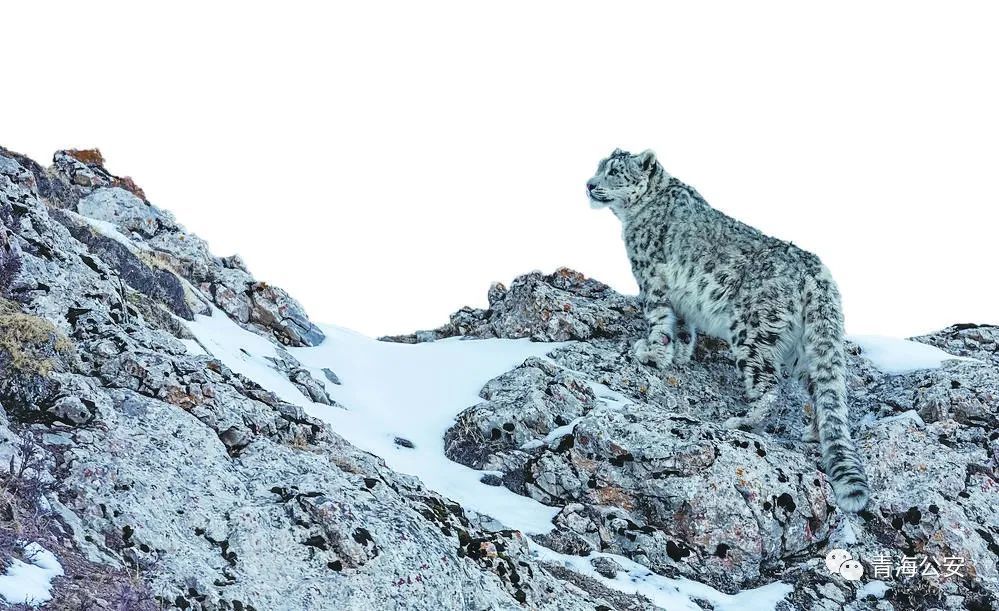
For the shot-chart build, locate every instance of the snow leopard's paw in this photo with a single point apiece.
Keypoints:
(686, 339)
(682, 353)
(740, 423)
(656, 353)
(759, 411)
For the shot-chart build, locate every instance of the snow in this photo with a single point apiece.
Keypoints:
(193, 347)
(893, 355)
(413, 392)
(395, 391)
(30, 582)
(875, 588)
(672, 594)
(244, 352)
(108, 230)
(909, 415)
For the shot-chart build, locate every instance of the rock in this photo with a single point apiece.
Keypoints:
(524, 405)
(302, 378)
(156, 283)
(606, 567)
(562, 306)
(331, 376)
(274, 309)
(10, 260)
(122, 209)
(79, 181)
(971, 340)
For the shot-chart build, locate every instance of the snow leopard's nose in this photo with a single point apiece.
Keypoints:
(590, 186)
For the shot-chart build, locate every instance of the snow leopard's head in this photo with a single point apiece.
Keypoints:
(622, 179)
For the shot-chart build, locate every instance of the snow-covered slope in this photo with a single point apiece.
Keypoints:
(395, 401)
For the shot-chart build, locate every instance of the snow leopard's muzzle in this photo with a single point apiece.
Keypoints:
(597, 194)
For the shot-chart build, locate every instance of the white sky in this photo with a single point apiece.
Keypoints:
(384, 162)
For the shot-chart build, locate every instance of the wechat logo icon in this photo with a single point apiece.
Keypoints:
(840, 562)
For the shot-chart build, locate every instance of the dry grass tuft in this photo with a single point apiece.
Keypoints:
(30, 341)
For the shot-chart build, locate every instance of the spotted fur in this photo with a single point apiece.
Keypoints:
(776, 305)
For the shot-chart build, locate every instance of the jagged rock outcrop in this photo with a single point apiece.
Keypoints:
(967, 339)
(163, 479)
(562, 306)
(78, 182)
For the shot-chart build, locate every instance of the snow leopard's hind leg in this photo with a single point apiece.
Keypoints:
(796, 365)
(756, 345)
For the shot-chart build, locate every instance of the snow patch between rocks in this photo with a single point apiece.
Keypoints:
(30, 582)
(109, 230)
(875, 588)
(396, 396)
(401, 395)
(893, 355)
(242, 351)
(672, 594)
(397, 402)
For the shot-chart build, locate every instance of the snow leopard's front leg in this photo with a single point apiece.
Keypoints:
(659, 347)
(686, 338)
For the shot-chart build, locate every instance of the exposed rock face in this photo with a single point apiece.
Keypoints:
(126, 453)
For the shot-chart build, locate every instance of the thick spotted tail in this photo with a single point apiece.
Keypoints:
(826, 377)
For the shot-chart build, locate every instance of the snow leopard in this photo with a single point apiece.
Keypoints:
(699, 270)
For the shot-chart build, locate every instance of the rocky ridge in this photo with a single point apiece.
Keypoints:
(162, 479)
(661, 482)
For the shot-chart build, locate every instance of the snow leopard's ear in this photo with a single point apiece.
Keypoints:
(647, 159)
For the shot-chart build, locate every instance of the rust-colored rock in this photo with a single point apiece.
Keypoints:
(87, 156)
